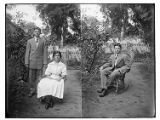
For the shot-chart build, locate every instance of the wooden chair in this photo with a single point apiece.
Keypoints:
(119, 83)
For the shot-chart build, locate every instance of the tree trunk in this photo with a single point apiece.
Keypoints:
(93, 60)
(62, 37)
(122, 33)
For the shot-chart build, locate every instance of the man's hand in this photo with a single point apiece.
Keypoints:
(58, 79)
(44, 69)
(101, 68)
(48, 76)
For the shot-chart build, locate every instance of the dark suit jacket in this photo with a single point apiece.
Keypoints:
(36, 56)
(123, 63)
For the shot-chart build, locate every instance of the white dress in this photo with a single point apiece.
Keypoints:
(51, 86)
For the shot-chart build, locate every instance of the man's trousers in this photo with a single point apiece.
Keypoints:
(108, 75)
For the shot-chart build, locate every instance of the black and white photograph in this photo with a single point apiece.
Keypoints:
(80, 60)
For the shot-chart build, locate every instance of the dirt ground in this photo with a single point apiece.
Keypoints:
(71, 106)
(136, 101)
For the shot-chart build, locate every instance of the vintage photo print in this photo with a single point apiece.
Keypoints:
(80, 60)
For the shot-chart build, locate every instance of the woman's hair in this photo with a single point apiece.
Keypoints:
(118, 44)
(57, 52)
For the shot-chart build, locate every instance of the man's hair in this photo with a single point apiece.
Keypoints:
(57, 52)
(118, 44)
(37, 28)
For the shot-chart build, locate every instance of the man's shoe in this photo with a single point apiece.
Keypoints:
(100, 90)
(105, 92)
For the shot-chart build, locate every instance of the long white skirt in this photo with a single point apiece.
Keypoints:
(48, 86)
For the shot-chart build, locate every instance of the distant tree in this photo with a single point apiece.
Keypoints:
(131, 19)
(119, 16)
(14, 34)
(18, 20)
(15, 50)
(144, 19)
(56, 16)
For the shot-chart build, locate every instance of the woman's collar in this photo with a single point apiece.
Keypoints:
(56, 62)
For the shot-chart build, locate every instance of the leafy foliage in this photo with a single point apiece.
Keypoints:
(17, 73)
(144, 17)
(91, 41)
(56, 16)
(135, 19)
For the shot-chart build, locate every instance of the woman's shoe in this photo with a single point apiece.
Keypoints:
(51, 104)
(51, 101)
(61, 101)
(42, 100)
(46, 106)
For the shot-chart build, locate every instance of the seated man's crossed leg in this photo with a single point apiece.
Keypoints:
(108, 75)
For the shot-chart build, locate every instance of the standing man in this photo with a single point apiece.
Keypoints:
(35, 59)
(118, 65)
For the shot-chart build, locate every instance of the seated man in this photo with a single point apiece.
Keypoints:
(117, 65)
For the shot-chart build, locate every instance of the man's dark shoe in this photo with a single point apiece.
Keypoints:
(104, 93)
(100, 90)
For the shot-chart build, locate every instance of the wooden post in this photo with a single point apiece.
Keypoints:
(61, 44)
(67, 56)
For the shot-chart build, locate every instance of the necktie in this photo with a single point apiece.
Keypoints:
(37, 41)
(115, 59)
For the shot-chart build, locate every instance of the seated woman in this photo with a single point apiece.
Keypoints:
(52, 84)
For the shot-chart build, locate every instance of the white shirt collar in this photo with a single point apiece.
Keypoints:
(36, 38)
